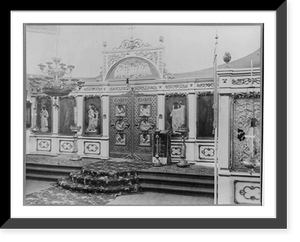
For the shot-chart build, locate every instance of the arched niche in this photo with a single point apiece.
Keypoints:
(133, 68)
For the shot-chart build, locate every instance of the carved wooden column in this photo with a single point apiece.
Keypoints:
(192, 114)
(34, 114)
(105, 127)
(79, 106)
(55, 110)
(105, 115)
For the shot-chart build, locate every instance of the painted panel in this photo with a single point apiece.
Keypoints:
(205, 115)
(206, 152)
(247, 192)
(176, 111)
(44, 114)
(175, 151)
(66, 115)
(133, 67)
(66, 146)
(92, 148)
(246, 144)
(43, 145)
(92, 115)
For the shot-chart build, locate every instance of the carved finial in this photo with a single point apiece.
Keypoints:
(227, 57)
(217, 37)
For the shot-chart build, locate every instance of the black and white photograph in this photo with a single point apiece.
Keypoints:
(98, 97)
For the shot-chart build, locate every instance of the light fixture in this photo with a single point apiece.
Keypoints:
(55, 84)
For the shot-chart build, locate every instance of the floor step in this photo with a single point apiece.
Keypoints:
(48, 166)
(47, 171)
(176, 179)
(43, 177)
(176, 189)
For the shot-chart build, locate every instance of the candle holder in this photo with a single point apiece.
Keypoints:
(156, 161)
(75, 129)
(183, 163)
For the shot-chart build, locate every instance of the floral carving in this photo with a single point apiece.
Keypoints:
(168, 95)
(113, 58)
(246, 81)
(132, 44)
(92, 147)
(44, 144)
(149, 55)
(209, 93)
(250, 193)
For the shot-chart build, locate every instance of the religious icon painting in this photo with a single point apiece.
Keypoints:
(145, 140)
(176, 112)
(92, 125)
(120, 139)
(145, 110)
(44, 108)
(120, 110)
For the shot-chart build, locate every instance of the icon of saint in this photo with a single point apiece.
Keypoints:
(120, 110)
(178, 115)
(44, 119)
(145, 110)
(93, 116)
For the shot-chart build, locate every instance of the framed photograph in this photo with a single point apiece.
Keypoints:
(120, 110)
(145, 110)
(145, 140)
(120, 139)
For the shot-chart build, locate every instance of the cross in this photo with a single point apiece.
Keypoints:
(131, 28)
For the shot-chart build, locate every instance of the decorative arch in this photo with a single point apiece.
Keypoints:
(134, 68)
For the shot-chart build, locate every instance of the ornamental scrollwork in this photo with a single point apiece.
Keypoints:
(176, 94)
(246, 81)
(43, 97)
(250, 192)
(113, 58)
(200, 94)
(205, 85)
(166, 74)
(245, 95)
(149, 55)
(91, 96)
(132, 44)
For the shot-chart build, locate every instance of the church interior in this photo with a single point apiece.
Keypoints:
(137, 127)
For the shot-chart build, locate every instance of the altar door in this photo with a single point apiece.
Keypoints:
(133, 121)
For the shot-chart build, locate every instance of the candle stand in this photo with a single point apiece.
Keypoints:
(75, 129)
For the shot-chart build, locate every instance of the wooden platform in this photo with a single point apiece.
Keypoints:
(193, 180)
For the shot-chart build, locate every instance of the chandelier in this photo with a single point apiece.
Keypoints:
(54, 84)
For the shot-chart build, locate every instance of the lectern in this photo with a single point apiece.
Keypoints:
(161, 147)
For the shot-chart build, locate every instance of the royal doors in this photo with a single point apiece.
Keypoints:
(132, 123)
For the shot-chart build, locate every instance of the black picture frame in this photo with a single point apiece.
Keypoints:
(280, 222)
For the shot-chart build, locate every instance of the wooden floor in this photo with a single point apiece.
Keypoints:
(161, 199)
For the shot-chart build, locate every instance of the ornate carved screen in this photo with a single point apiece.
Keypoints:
(133, 120)
(246, 132)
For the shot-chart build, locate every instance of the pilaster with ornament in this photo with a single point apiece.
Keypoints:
(34, 128)
(161, 111)
(105, 120)
(80, 112)
(55, 113)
